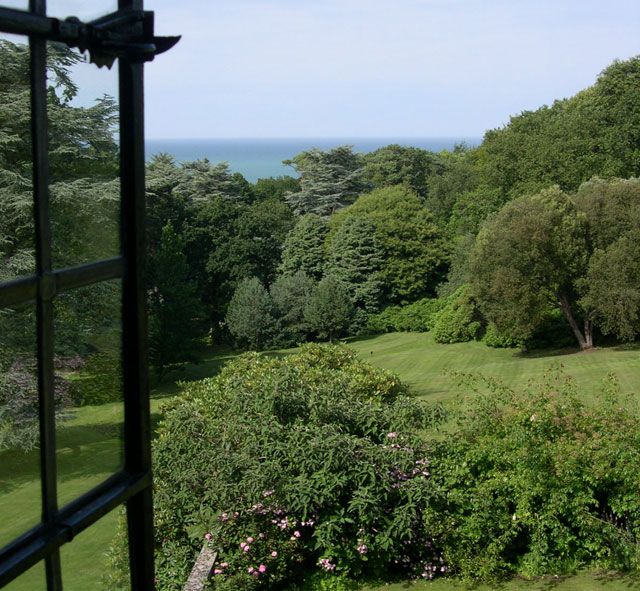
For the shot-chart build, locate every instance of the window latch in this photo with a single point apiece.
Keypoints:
(125, 33)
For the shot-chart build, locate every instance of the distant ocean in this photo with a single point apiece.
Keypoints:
(262, 157)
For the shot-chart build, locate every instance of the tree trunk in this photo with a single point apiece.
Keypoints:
(566, 310)
(588, 332)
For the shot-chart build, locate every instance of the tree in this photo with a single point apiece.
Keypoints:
(355, 259)
(415, 252)
(612, 287)
(303, 248)
(174, 308)
(401, 165)
(329, 311)
(595, 132)
(290, 295)
(228, 240)
(207, 181)
(528, 258)
(329, 181)
(275, 187)
(249, 317)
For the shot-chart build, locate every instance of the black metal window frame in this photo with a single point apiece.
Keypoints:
(126, 35)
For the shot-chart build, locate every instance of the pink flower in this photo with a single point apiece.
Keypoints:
(274, 554)
(392, 435)
(250, 540)
(261, 536)
(262, 568)
(207, 536)
(217, 571)
(247, 548)
(267, 493)
(251, 569)
(243, 544)
(224, 565)
(296, 534)
(255, 574)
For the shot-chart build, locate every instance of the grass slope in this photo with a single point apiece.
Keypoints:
(89, 445)
(423, 365)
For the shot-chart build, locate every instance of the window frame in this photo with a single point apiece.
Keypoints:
(133, 483)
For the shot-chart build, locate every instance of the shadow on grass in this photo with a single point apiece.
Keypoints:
(82, 451)
(630, 580)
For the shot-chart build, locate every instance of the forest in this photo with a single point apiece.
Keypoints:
(323, 470)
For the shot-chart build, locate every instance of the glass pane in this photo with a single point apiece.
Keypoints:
(83, 154)
(85, 11)
(20, 496)
(87, 337)
(33, 580)
(17, 237)
(87, 562)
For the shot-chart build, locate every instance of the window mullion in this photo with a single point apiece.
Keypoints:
(46, 290)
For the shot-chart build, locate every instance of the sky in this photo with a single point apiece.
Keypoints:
(364, 68)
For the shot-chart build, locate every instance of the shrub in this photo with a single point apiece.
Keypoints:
(459, 320)
(19, 418)
(416, 317)
(537, 483)
(307, 466)
(492, 338)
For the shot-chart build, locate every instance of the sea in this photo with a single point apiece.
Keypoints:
(257, 158)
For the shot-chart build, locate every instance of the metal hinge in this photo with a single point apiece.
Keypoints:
(125, 33)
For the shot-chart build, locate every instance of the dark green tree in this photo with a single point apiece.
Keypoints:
(595, 132)
(529, 258)
(275, 187)
(329, 181)
(249, 317)
(402, 165)
(290, 295)
(355, 259)
(329, 311)
(303, 248)
(174, 308)
(415, 251)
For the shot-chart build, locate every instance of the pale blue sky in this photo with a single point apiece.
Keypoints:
(302, 68)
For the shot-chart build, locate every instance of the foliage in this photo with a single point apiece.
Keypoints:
(329, 180)
(417, 317)
(290, 295)
(459, 320)
(527, 258)
(415, 251)
(493, 338)
(205, 181)
(613, 287)
(355, 259)
(275, 187)
(290, 466)
(593, 133)
(401, 165)
(228, 240)
(19, 415)
(458, 274)
(329, 311)
(303, 248)
(174, 308)
(249, 317)
(535, 482)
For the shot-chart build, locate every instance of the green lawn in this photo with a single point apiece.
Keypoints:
(89, 445)
(422, 364)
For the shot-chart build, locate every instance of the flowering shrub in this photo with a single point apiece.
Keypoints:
(19, 422)
(303, 467)
(538, 483)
